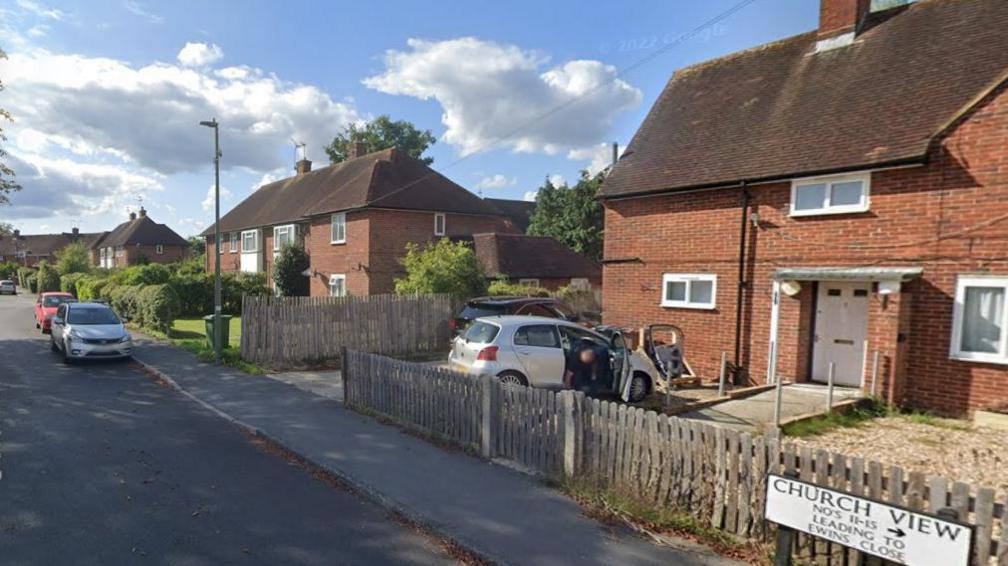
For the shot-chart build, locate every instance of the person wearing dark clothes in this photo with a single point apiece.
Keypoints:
(583, 369)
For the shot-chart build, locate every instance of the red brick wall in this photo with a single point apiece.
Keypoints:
(931, 216)
(348, 258)
(840, 16)
(169, 254)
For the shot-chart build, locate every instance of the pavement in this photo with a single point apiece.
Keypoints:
(503, 516)
(755, 413)
(101, 465)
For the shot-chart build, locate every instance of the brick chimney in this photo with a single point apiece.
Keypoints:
(839, 17)
(302, 166)
(143, 212)
(75, 230)
(132, 215)
(17, 233)
(357, 149)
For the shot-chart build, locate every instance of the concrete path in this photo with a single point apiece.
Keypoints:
(757, 412)
(324, 383)
(502, 515)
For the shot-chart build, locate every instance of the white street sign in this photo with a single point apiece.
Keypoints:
(887, 531)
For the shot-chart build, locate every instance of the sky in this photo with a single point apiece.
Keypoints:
(107, 96)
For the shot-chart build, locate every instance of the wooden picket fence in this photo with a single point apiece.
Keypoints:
(291, 330)
(716, 474)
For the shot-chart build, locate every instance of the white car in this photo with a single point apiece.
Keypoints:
(7, 287)
(89, 331)
(533, 350)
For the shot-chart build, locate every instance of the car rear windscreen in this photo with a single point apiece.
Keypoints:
(476, 311)
(481, 332)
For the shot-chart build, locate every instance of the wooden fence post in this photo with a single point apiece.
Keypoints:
(569, 432)
(345, 376)
(488, 416)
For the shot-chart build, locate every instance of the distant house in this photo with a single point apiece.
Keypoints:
(519, 211)
(30, 249)
(354, 218)
(814, 202)
(538, 261)
(136, 241)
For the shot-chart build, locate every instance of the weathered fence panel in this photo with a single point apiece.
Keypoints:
(292, 330)
(718, 475)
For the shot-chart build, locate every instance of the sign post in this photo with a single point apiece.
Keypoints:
(891, 532)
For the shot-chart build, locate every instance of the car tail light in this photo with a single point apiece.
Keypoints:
(488, 354)
(452, 325)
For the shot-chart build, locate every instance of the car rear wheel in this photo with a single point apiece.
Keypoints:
(640, 386)
(66, 355)
(512, 378)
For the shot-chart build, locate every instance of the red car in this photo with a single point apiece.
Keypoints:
(45, 308)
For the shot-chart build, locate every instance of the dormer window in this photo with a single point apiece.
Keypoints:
(841, 194)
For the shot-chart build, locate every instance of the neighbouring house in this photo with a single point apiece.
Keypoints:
(30, 249)
(538, 261)
(354, 218)
(519, 211)
(814, 201)
(136, 241)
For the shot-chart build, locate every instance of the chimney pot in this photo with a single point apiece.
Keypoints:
(17, 233)
(132, 216)
(838, 17)
(75, 230)
(358, 149)
(302, 167)
(143, 212)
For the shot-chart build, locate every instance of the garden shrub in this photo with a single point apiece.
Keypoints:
(288, 271)
(9, 270)
(69, 282)
(156, 307)
(149, 274)
(123, 299)
(233, 287)
(48, 278)
(32, 282)
(22, 276)
(195, 293)
(504, 287)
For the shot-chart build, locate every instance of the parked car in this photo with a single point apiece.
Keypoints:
(89, 330)
(549, 307)
(46, 305)
(535, 350)
(7, 287)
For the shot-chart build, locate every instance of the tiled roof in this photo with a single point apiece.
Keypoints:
(141, 231)
(519, 211)
(782, 110)
(518, 255)
(43, 244)
(383, 179)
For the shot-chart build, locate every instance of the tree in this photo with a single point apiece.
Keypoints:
(288, 271)
(48, 278)
(7, 184)
(73, 258)
(197, 246)
(382, 133)
(6, 229)
(442, 267)
(572, 215)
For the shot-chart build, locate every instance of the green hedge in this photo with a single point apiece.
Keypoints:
(503, 287)
(23, 275)
(195, 293)
(70, 281)
(149, 274)
(156, 307)
(48, 278)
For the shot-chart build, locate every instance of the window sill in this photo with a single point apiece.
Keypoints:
(980, 359)
(828, 211)
(687, 306)
(339, 243)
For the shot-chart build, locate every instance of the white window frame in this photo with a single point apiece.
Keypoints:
(292, 228)
(338, 219)
(255, 239)
(688, 278)
(955, 351)
(337, 277)
(233, 237)
(529, 282)
(580, 283)
(439, 218)
(864, 178)
(159, 249)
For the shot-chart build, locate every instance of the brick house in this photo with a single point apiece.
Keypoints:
(519, 259)
(355, 219)
(29, 249)
(845, 192)
(136, 241)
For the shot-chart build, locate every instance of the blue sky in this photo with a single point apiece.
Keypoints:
(107, 95)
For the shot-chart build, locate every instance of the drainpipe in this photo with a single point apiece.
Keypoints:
(741, 280)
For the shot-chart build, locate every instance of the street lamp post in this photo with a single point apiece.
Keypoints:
(217, 239)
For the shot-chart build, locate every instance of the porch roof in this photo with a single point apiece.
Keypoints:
(874, 273)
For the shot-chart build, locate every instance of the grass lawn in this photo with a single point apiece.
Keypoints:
(191, 328)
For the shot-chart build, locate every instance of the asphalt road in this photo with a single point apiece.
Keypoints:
(100, 465)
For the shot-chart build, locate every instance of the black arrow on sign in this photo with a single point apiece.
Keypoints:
(897, 532)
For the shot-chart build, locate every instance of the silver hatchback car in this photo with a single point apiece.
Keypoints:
(89, 331)
(537, 351)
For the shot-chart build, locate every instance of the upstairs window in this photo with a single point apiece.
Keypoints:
(439, 224)
(283, 236)
(234, 242)
(159, 249)
(250, 241)
(980, 319)
(338, 231)
(830, 195)
(689, 290)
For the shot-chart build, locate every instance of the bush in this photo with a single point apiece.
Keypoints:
(89, 287)
(69, 282)
(9, 270)
(156, 307)
(233, 287)
(123, 299)
(23, 273)
(149, 274)
(73, 258)
(195, 293)
(48, 278)
(505, 287)
(441, 267)
(32, 282)
(288, 271)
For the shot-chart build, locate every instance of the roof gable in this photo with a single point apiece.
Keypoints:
(141, 231)
(782, 110)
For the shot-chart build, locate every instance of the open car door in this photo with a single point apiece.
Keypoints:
(620, 366)
(665, 345)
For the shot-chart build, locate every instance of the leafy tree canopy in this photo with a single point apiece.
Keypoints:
(572, 215)
(7, 184)
(442, 267)
(288, 271)
(73, 258)
(382, 133)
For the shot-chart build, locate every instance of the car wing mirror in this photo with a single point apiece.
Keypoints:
(57, 320)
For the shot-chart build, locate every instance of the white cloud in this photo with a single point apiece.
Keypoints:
(495, 95)
(557, 180)
(135, 8)
(599, 156)
(61, 187)
(39, 10)
(530, 195)
(497, 181)
(269, 177)
(208, 202)
(39, 30)
(149, 116)
(200, 54)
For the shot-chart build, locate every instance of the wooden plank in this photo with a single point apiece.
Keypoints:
(718, 480)
(745, 486)
(983, 519)
(1002, 549)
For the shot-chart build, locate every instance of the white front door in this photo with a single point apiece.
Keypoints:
(841, 328)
